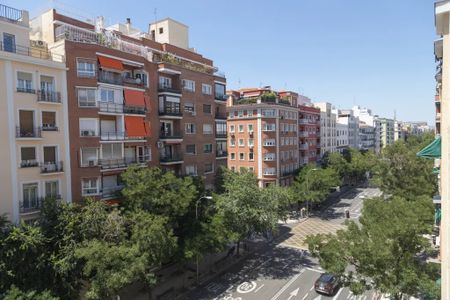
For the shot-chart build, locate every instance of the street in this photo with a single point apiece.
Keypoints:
(283, 270)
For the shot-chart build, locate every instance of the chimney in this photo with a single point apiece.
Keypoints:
(128, 24)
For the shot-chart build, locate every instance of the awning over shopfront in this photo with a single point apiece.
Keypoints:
(136, 127)
(433, 150)
(110, 63)
(134, 98)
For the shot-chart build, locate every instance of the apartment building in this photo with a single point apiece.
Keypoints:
(387, 131)
(366, 137)
(136, 98)
(347, 118)
(309, 133)
(342, 137)
(367, 120)
(33, 120)
(327, 128)
(263, 134)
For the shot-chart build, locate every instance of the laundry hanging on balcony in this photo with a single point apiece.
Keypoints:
(136, 127)
(110, 63)
(134, 98)
(433, 150)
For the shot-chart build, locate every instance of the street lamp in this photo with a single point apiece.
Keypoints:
(307, 189)
(196, 219)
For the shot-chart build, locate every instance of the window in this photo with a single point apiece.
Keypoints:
(241, 156)
(231, 128)
(221, 128)
(161, 30)
(251, 169)
(251, 156)
(209, 168)
(231, 115)
(282, 141)
(269, 171)
(165, 82)
(241, 143)
(207, 148)
(269, 142)
(240, 113)
(207, 108)
(88, 127)
(233, 168)
(249, 113)
(9, 42)
(232, 142)
(25, 82)
(241, 128)
(268, 112)
(188, 85)
(190, 149)
(191, 170)
(85, 68)
(206, 89)
(89, 157)
(207, 129)
(49, 121)
(189, 107)
(28, 157)
(189, 128)
(107, 95)
(112, 151)
(219, 91)
(52, 189)
(30, 198)
(232, 156)
(269, 127)
(271, 156)
(86, 97)
(250, 142)
(89, 186)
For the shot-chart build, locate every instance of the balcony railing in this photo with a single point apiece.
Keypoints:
(110, 107)
(176, 157)
(49, 127)
(49, 96)
(113, 163)
(220, 97)
(26, 90)
(162, 88)
(304, 146)
(221, 153)
(11, 14)
(138, 160)
(138, 82)
(172, 109)
(111, 191)
(221, 115)
(34, 132)
(170, 135)
(137, 110)
(112, 136)
(31, 205)
(33, 52)
(52, 167)
(221, 134)
(29, 163)
(109, 77)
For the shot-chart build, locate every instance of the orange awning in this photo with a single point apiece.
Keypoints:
(134, 98)
(110, 63)
(135, 126)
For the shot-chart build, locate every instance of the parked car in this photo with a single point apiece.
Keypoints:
(327, 283)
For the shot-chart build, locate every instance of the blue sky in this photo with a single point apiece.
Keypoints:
(377, 54)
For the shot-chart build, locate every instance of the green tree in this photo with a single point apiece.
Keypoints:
(15, 293)
(244, 208)
(314, 184)
(383, 249)
(337, 162)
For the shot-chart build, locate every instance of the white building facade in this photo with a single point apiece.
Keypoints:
(327, 128)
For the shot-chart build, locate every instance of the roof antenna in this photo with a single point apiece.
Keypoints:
(156, 23)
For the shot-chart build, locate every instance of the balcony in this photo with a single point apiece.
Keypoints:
(304, 147)
(49, 127)
(162, 88)
(138, 160)
(109, 77)
(32, 52)
(170, 109)
(220, 97)
(221, 153)
(112, 136)
(52, 167)
(31, 206)
(134, 81)
(26, 90)
(114, 108)
(116, 163)
(49, 96)
(111, 191)
(136, 110)
(221, 134)
(10, 14)
(35, 132)
(220, 115)
(175, 158)
(303, 134)
(29, 163)
(171, 135)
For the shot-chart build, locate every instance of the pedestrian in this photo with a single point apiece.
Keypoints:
(303, 213)
(347, 214)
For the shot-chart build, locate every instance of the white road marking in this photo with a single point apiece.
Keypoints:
(315, 270)
(287, 285)
(259, 288)
(304, 297)
(318, 297)
(338, 293)
(311, 288)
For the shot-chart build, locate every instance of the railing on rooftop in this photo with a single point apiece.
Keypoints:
(32, 52)
(11, 14)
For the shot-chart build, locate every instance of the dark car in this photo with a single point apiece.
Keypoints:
(327, 283)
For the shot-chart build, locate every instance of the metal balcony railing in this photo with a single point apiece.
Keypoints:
(221, 153)
(137, 160)
(138, 82)
(109, 77)
(49, 96)
(33, 52)
(30, 205)
(49, 127)
(34, 132)
(163, 88)
(171, 109)
(110, 107)
(221, 134)
(137, 110)
(113, 163)
(111, 191)
(52, 167)
(170, 135)
(220, 97)
(220, 115)
(176, 157)
(26, 90)
(112, 136)
(31, 163)
(11, 14)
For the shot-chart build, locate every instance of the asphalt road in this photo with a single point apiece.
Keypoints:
(278, 272)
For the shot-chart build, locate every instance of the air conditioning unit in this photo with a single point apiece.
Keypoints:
(159, 144)
(85, 133)
(91, 163)
(38, 44)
